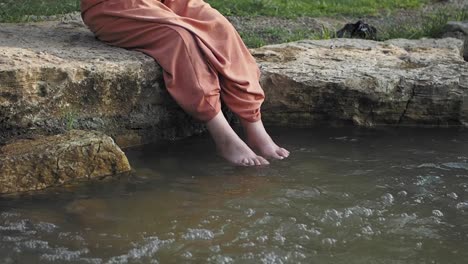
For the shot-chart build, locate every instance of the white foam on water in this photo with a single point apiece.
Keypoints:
(146, 250)
(16, 226)
(456, 165)
(437, 213)
(198, 234)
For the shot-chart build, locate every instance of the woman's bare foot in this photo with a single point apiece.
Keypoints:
(259, 140)
(230, 146)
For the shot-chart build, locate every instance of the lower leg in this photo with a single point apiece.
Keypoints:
(229, 145)
(259, 140)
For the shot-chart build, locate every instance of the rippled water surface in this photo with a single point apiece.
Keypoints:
(344, 196)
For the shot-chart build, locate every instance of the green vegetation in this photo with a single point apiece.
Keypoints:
(416, 24)
(30, 10)
(314, 8)
(429, 25)
(275, 35)
(22, 10)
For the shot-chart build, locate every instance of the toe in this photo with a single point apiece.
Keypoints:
(263, 161)
(277, 155)
(283, 152)
(257, 161)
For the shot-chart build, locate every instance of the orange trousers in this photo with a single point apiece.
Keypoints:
(201, 53)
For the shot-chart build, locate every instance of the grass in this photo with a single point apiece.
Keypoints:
(31, 10)
(314, 8)
(23, 10)
(424, 25)
(429, 25)
(275, 35)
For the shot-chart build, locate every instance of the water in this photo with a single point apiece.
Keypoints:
(344, 196)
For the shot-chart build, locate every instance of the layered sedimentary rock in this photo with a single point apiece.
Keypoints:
(365, 83)
(55, 76)
(34, 164)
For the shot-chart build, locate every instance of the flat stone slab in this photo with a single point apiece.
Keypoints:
(34, 164)
(366, 83)
(56, 75)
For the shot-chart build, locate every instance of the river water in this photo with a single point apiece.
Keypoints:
(344, 196)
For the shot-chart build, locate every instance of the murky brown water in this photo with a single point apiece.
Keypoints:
(344, 196)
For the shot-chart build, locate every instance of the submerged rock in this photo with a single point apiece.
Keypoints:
(366, 83)
(34, 164)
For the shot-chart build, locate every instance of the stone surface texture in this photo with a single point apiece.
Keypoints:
(366, 83)
(34, 164)
(56, 76)
(458, 29)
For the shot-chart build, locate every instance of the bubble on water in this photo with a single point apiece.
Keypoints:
(402, 193)
(46, 227)
(362, 211)
(329, 242)
(6, 215)
(187, 255)
(205, 222)
(198, 234)
(63, 254)
(278, 237)
(437, 213)
(332, 215)
(462, 206)
(367, 230)
(11, 239)
(146, 250)
(262, 239)
(264, 220)
(17, 226)
(250, 212)
(34, 244)
(271, 258)
(347, 213)
(302, 227)
(427, 180)
(299, 255)
(219, 259)
(419, 245)
(215, 248)
(453, 195)
(297, 246)
(387, 199)
(248, 244)
(243, 234)
(304, 238)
